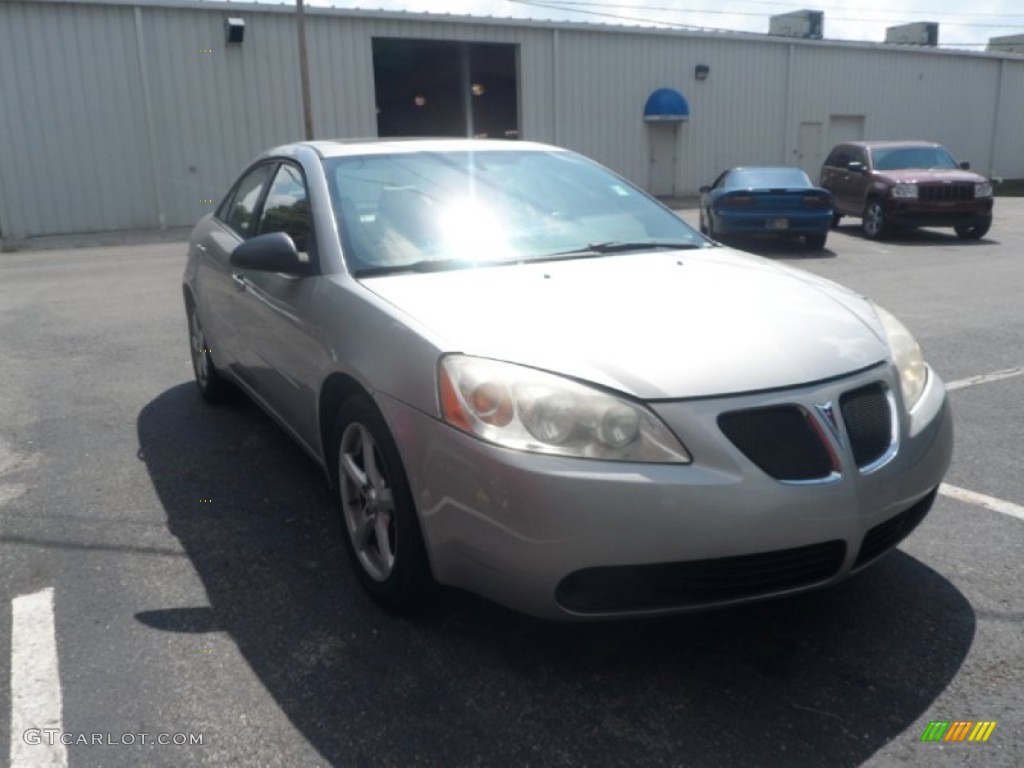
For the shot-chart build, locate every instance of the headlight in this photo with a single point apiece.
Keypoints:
(529, 410)
(983, 189)
(907, 355)
(904, 190)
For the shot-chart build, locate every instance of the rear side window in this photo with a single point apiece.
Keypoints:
(246, 198)
(287, 207)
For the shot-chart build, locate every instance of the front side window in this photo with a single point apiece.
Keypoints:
(246, 198)
(499, 205)
(838, 159)
(286, 208)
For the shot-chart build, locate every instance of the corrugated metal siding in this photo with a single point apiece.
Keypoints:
(214, 111)
(902, 95)
(76, 153)
(72, 141)
(737, 114)
(1008, 152)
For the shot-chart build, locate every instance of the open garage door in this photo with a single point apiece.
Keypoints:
(440, 88)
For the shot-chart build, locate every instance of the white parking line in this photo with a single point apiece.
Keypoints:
(981, 500)
(35, 684)
(984, 378)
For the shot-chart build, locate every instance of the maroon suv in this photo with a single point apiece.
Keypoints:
(891, 184)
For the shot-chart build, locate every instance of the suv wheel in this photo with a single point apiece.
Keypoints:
(972, 231)
(873, 222)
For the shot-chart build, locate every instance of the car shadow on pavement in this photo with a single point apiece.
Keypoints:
(777, 248)
(823, 679)
(916, 236)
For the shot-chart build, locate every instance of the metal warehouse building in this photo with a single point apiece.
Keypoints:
(121, 114)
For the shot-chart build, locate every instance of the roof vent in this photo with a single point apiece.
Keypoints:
(1006, 44)
(917, 33)
(809, 25)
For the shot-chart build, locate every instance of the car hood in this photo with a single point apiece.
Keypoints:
(664, 325)
(924, 176)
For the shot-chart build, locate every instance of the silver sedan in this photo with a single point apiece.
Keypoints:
(526, 378)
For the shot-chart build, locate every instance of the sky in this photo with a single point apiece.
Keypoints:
(962, 23)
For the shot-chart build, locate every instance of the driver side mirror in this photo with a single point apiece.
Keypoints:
(704, 190)
(965, 165)
(272, 252)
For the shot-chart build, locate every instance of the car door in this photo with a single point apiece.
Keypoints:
(857, 181)
(835, 177)
(284, 357)
(217, 292)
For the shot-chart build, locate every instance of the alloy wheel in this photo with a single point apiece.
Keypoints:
(367, 502)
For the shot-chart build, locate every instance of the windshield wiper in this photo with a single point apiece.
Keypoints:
(620, 246)
(590, 251)
(431, 265)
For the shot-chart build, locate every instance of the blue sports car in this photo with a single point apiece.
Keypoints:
(766, 201)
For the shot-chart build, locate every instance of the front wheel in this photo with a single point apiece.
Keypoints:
(874, 223)
(382, 528)
(973, 231)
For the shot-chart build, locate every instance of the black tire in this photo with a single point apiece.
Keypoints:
(874, 223)
(212, 386)
(815, 242)
(973, 231)
(384, 540)
(712, 232)
(836, 218)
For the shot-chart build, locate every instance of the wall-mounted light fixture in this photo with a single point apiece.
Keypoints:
(234, 30)
(701, 71)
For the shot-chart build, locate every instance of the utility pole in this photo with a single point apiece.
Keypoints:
(307, 106)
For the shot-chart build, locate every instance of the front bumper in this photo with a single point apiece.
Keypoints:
(527, 530)
(919, 213)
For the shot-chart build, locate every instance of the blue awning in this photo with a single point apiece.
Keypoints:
(666, 104)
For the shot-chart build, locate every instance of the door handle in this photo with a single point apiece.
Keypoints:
(239, 280)
(200, 247)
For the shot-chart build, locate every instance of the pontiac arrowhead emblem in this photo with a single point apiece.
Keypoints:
(828, 415)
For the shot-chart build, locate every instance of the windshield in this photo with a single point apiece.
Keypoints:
(918, 158)
(458, 209)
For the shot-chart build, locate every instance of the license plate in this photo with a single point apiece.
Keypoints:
(777, 223)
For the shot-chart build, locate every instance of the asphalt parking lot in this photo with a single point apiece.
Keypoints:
(200, 588)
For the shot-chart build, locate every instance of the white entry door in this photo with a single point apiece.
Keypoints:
(808, 149)
(664, 140)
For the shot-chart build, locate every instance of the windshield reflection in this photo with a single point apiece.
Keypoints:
(470, 208)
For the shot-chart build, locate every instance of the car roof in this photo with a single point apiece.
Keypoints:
(765, 168)
(370, 146)
(877, 144)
